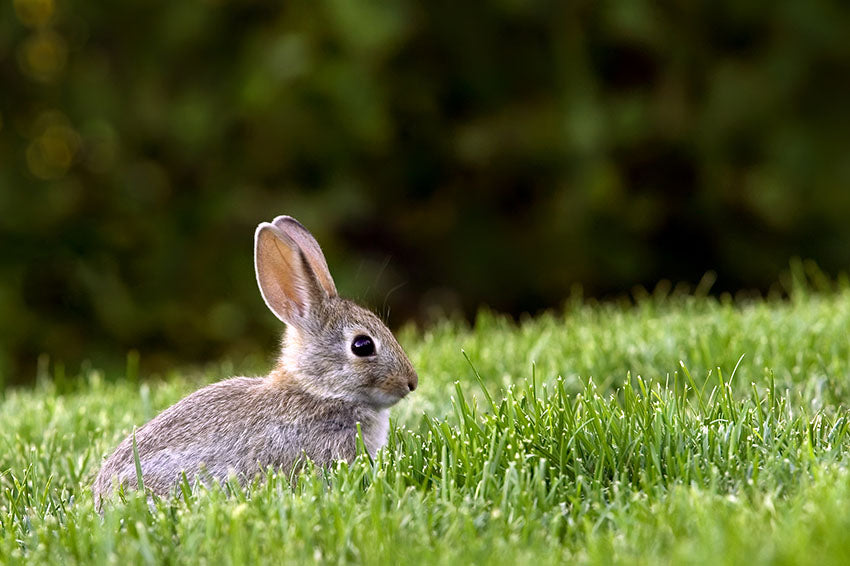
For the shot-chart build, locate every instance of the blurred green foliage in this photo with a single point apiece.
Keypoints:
(446, 155)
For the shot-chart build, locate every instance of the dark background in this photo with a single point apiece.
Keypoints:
(447, 155)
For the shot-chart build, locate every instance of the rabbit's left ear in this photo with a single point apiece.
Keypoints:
(310, 247)
(287, 282)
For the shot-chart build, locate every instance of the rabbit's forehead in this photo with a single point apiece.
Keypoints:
(357, 320)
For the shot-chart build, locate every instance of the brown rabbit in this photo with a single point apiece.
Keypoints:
(339, 366)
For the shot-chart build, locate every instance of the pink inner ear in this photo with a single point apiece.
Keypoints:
(284, 285)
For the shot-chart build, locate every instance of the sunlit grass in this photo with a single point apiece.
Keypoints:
(679, 429)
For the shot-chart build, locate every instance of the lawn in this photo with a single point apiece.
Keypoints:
(672, 428)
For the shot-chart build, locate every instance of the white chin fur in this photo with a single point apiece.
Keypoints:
(382, 399)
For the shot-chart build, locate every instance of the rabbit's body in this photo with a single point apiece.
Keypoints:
(241, 427)
(339, 366)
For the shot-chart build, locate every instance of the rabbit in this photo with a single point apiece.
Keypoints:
(339, 366)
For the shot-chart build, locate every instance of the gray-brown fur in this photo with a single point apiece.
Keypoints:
(309, 405)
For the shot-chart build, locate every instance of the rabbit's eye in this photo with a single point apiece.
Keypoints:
(362, 346)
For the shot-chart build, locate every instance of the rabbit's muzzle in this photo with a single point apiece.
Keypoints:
(396, 388)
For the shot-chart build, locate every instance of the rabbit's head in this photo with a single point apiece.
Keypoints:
(332, 347)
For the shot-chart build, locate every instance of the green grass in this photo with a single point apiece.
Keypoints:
(678, 429)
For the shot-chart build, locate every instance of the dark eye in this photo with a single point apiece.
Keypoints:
(362, 346)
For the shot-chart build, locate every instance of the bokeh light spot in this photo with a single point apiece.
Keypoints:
(43, 56)
(51, 153)
(35, 13)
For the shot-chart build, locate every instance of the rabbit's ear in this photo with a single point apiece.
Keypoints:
(287, 283)
(311, 249)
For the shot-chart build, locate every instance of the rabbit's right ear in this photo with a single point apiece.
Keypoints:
(287, 282)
